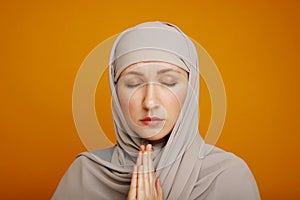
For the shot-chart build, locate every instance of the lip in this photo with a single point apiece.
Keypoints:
(152, 121)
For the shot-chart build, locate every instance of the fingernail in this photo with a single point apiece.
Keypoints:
(149, 147)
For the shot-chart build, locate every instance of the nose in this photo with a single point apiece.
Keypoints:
(150, 98)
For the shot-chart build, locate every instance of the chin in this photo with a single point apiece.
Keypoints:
(152, 134)
(158, 137)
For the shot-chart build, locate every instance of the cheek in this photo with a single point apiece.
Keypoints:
(124, 100)
(181, 94)
(133, 106)
(130, 103)
(173, 102)
(175, 98)
(172, 105)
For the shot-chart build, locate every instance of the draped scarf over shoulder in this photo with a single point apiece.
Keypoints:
(180, 161)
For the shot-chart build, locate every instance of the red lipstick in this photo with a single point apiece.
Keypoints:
(152, 121)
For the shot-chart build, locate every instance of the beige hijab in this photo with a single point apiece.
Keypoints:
(185, 169)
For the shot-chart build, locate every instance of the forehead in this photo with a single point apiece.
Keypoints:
(153, 67)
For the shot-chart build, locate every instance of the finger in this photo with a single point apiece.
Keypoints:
(142, 148)
(151, 167)
(146, 174)
(133, 185)
(149, 157)
(149, 147)
(140, 188)
(145, 161)
(139, 159)
(159, 189)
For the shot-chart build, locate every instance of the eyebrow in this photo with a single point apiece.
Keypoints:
(159, 72)
(167, 70)
(134, 73)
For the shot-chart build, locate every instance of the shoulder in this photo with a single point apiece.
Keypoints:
(97, 155)
(225, 160)
(232, 178)
(100, 159)
(89, 177)
(217, 159)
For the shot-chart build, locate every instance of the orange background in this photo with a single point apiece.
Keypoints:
(254, 44)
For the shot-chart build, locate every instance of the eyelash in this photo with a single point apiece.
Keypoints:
(170, 84)
(138, 84)
(133, 85)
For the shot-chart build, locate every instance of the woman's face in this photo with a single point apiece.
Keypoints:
(151, 95)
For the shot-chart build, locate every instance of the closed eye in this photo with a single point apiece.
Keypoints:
(168, 80)
(169, 84)
(133, 85)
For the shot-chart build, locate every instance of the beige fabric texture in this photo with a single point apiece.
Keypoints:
(186, 168)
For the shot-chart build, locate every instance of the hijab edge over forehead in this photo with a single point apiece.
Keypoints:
(152, 41)
(148, 55)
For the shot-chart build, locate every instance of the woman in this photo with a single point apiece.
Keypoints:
(154, 80)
